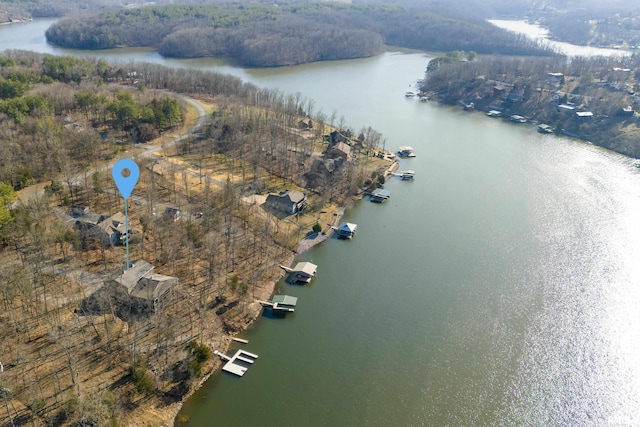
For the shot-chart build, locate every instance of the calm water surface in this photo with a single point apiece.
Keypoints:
(498, 289)
(537, 32)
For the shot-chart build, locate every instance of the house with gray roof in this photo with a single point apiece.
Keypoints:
(290, 201)
(109, 231)
(144, 288)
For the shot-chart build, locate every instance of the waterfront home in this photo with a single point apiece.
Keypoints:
(584, 114)
(380, 195)
(173, 214)
(109, 231)
(290, 201)
(555, 78)
(78, 211)
(347, 230)
(133, 292)
(340, 151)
(112, 229)
(339, 136)
(305, 124)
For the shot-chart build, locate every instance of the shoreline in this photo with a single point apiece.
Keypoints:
(304, 245)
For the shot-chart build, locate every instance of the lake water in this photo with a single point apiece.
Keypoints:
(499, 288)
(537, 32)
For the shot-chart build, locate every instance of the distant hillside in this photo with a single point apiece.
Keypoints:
(551, 91)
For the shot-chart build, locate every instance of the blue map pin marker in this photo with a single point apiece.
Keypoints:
(125, 184)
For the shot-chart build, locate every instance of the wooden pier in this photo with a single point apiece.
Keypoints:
(232, 366)
(287, 269)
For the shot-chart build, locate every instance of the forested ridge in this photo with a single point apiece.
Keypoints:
(292, 33)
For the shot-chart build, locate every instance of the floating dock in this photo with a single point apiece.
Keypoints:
(240, 340)
(232, 366)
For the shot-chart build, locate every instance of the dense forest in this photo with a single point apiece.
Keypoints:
(268, 35)
(40, 101)
(75, 350)
(581, 22)
(550, 90)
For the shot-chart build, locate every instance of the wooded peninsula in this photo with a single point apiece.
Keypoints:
(261, 35)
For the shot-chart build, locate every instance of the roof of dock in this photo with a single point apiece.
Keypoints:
(284, 300)
(381, 193)
(306, 268)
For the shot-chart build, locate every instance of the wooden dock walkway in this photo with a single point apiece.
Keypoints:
(235, 368)
(221, 355)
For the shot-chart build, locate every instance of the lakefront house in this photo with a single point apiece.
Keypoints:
(290, 201)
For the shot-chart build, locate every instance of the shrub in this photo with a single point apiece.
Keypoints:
(198, 354)
(142, 379)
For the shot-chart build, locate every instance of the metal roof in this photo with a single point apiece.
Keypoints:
(306, 268)
(347, 226)
(380, 192)
(284, 300)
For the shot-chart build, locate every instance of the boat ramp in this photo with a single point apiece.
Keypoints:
(233, 366)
